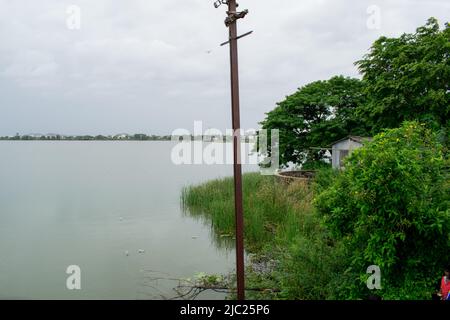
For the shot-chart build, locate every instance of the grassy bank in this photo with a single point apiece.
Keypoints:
(280, 226)
(271, 210)
(388, 209)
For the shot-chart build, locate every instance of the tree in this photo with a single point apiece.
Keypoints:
(316, 115)
(391, 208)
(140, 136)
(408, 78)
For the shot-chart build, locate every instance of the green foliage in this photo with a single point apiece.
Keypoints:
(270, 210)
(391, 208)
(280, 227)
(312, 267)
(316, 165)
(215, 199)
(316, 115)
(324, 178)
(408, 78)
(404, 78)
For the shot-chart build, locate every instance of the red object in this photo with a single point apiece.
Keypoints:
(445, 288)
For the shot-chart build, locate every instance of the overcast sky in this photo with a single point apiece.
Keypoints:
(153, 66)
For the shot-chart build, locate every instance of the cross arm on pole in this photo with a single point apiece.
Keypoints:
(237, 38)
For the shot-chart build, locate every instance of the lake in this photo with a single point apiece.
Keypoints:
(96, 205)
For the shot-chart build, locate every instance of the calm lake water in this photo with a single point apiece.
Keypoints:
(87, 204)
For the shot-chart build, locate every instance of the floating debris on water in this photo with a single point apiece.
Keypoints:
(225, 235)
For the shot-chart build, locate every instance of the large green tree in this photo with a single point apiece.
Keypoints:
(408, 78)
(316, 115)
(404, 78)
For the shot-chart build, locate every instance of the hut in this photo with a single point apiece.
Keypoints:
(344, 147)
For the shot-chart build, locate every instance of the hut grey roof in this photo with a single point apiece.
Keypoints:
(358, 139)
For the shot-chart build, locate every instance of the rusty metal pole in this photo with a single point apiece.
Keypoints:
(239, 212)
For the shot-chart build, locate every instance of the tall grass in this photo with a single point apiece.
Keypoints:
(280, 225)
(272, 211)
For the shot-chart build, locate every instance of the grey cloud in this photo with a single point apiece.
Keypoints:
(154, 66)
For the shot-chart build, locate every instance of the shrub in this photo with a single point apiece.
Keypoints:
(390, 208)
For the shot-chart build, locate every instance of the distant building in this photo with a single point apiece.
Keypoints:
(344, 147)
(122, 136)
(35, 135)
(52, 136)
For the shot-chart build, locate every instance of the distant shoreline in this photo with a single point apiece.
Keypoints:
(135, 137)
(78, 140)
(57, 137)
